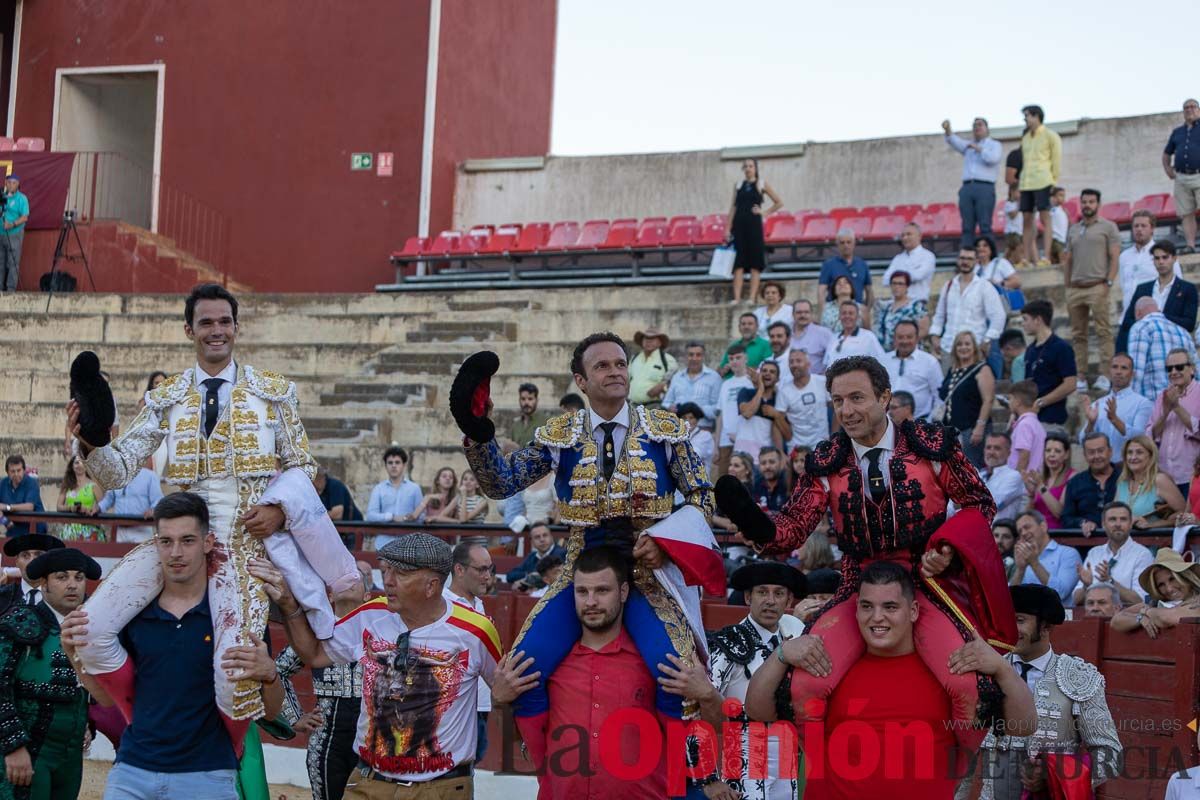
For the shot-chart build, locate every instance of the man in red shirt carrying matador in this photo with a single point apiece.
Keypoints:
(888, 487)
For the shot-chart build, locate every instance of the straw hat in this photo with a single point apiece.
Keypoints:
(665, 341)
(1188, 572)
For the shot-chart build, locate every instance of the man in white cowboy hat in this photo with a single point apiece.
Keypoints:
(650, 371)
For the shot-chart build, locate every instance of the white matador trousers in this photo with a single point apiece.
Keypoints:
(310, 555)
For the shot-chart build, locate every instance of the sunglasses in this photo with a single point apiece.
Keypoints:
(1177, 367)
(400, 657)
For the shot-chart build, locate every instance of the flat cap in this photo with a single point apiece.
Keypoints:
(418, 551)
(31, 541)
(62, 559)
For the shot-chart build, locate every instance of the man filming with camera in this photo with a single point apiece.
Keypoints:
(15, 215)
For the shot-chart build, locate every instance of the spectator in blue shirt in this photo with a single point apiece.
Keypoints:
(696, 384)
(850, 265)
(20, 492)
(395, 499)
(771, 486)
(176, 744)
(1049, 362)
(1043, 561)
(981, 164)
(137, 499)
(16, 214)
(1122, 413)
(543, 545)
(1089, 491)
(1184, 145)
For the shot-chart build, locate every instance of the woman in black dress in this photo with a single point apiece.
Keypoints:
(968, 391)
(745, 227)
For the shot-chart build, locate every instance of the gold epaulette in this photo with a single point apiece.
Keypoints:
(270, 386)
(661, 425)
(562, 431)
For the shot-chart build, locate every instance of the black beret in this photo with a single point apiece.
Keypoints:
(31, 541)
(824, 581)
(63, 559)
(1040, 601)
(772, 573)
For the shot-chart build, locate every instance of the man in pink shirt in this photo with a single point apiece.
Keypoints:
(1175, 420)
(1028, 435)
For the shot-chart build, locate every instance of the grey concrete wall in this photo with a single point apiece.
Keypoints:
(1120, 156)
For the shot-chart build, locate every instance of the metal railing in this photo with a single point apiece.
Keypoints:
(108, 185)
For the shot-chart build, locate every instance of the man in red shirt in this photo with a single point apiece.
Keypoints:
(887, 730)
(603, 674)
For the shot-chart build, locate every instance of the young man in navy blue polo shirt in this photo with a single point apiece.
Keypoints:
(176, 744)
(1049, 362)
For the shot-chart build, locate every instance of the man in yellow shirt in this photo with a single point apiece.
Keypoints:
(650, 371)
(1041, 156)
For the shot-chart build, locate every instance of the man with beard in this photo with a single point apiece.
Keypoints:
(530, 419)
(618, 467)
(764, 420)
(43, 710)
(888, 488)
(735, 654)
(422, 658)
(1072, 715)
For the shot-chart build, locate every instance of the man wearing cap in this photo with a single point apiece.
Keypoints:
(1073, 715)
(619, 467)
(43, 709)
(23, 550)
(651, 370)
(422, 657)
(16, 214)
(734, 654)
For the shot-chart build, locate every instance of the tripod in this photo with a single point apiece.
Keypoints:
(60, 253)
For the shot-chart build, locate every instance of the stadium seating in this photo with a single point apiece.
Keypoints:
(7, 144)
(886, 227)
(591, 236)
(1116, 212)
(503, 240)
(564, 235)
(533, 237)
(860, 226)
(1152, 202)
(35, 144)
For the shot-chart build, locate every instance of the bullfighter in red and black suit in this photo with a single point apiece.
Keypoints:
(888, 487)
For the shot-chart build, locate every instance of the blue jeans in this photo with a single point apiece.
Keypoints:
(482, 742)
(976, 204)
(126, 782)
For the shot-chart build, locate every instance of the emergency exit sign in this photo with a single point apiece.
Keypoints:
(361, 161)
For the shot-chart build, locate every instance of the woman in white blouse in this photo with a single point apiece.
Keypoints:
(775, 309)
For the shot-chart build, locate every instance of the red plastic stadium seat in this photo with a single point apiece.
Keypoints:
(1072, 207)
(842, 212)
(413, 247)
(787, 230)
(444, 243)
(35, 144)
(680, 220)
(651, 234)
(1117, 212)
(907, 211)
(820, 229)
(1152, 202)
(712, 219)
(712, 233)
(503, 240)
(469, 244)
(887, 227)
(860, 225)
(562, 236)
(533, 237)
(592, 235)
(621, 234)
(927, 221)
(7, 143)
(934, 208)
(875, 211)
(649, 221)
(684, 233)
(774, 220)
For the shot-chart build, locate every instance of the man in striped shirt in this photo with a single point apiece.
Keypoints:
(1151, 339)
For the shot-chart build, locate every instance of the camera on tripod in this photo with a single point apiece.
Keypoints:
(68, 216)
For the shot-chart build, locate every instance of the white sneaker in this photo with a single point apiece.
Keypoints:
(1081, 386)
(1101, 384)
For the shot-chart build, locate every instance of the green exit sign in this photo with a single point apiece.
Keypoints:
(361, 161)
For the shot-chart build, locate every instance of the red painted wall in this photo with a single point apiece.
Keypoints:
(496, 68)
(266, 101)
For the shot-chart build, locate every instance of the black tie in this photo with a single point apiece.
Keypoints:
(609, 460)
(875, 475)
(773, 642)
(33, 597)
(211, 404)
(902, 365)
(1024, 667)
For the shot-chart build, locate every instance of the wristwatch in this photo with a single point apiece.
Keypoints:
(1141, 615)
(1109, 283)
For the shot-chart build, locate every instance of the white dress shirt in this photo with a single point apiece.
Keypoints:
(975, 308)
(1007, 488)
(1039, 665)
(224, 391)
(1130, 560)
(921, 376)
(863, 342)
(807, 410)
(919, 264)
(1160, 292)
(887, 444)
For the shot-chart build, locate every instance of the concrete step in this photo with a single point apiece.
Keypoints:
(391, 393)
(463, 331)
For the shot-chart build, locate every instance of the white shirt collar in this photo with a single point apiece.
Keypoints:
(763, 633)
(888, 442)
(229, 374)
(57, 616)
(27, 587)
(622, 418)
(1041, 662)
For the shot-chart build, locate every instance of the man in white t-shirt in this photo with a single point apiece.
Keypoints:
(805, 400)
(730, 419)
(472, 576)
(912, 370)
(423, 657)
(914, 259)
